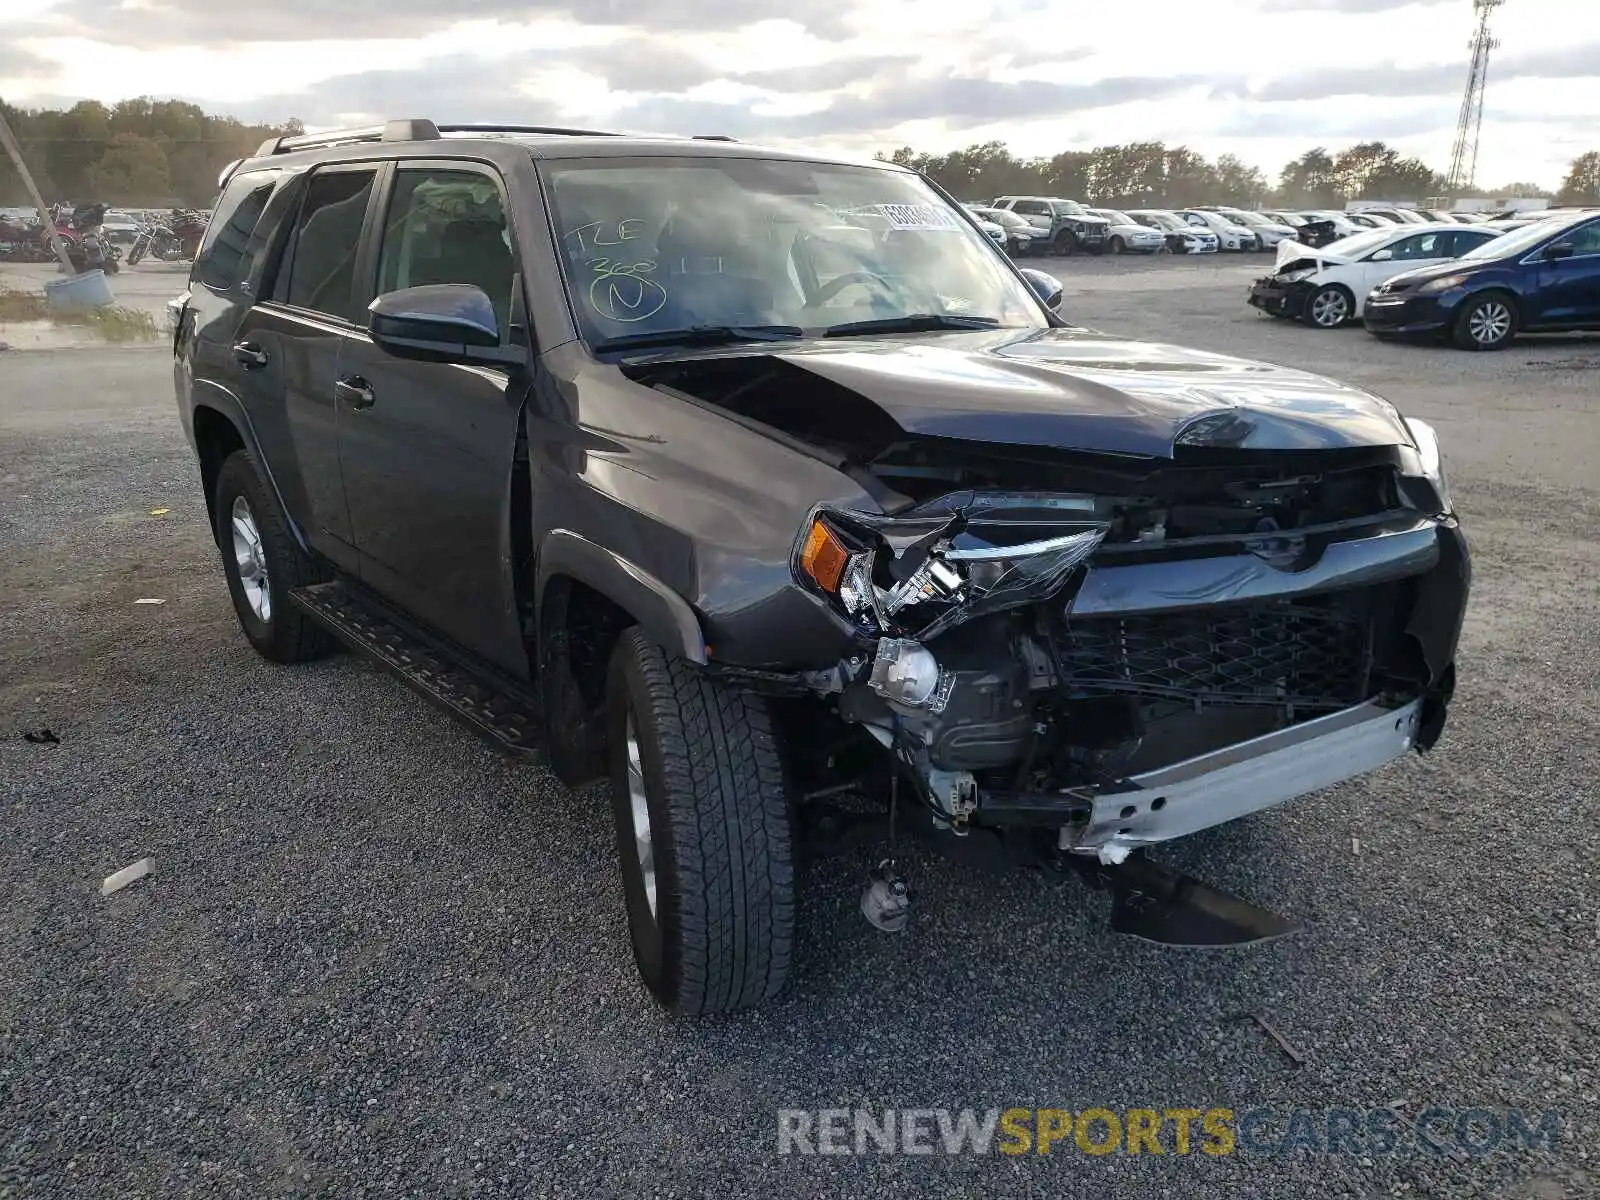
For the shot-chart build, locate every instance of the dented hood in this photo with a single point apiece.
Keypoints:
(1289, 251)
(1076, 389)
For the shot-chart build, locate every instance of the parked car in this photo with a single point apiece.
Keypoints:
(1268, 232)
(739, 523)
(993, 230)
(1279, 217)
(1340, 223)
(1182, 237)
(1326, 287)
(1394, 214)
(1127, 236)
(1067, 225)
(1542, 277)
(1021, 236)
(1366, 220)
(1231, 235)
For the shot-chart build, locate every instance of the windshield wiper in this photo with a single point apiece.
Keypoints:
(911, 323)
(701, 335)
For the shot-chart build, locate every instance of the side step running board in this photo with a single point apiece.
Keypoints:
(497, 709)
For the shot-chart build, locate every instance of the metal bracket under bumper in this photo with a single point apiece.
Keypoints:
(1207, 790)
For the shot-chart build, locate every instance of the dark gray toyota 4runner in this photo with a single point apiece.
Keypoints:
(765, 488)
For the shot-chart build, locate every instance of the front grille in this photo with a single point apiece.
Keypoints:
(1292, 653)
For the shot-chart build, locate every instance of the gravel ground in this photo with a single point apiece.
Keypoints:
(375, 958)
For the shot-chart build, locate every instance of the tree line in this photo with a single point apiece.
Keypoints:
(143, 152)
(165, 152)
(1154, 175)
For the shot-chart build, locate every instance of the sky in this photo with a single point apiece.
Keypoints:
(1262, 79)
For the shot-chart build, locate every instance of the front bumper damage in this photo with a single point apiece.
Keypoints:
(1148, 698)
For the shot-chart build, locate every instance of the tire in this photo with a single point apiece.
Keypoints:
(720, 933)
(135, 254)
(1118, 246)
(1485, 322)
(1330, 307)
(1065, 243)
(278, 631)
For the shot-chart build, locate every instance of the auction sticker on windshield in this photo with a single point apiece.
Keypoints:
(919, 216)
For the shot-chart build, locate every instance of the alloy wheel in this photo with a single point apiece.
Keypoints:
(643, 845)
(1489, 323)
(251, 558)
(1329, 309)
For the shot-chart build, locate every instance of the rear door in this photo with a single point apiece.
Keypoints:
(428, 449)
(288, 348)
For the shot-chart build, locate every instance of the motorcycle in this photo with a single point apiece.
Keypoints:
(179, 238)
(80, 231)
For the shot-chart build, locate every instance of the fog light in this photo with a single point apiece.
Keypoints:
(904, 672)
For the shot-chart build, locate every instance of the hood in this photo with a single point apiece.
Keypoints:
(1454, 266)
(1290, 251)
(1072, 389)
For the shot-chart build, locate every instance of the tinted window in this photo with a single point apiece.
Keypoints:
(320, 260)
(1421, 245)
(1036, 208)
(227, 253)
(1586, 240)
(447, 227)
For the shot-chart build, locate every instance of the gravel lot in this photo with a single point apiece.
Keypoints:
(377, 959)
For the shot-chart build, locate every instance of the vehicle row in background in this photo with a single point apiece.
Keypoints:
(1477, 285)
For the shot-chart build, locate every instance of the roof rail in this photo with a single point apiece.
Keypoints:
(549, 129)
(420, 129)
(714, 137)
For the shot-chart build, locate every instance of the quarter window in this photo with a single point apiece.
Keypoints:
(321, 255)
(227, 253)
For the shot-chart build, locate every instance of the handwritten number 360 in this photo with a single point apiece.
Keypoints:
(620, 293)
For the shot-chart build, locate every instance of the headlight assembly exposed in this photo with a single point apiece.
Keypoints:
(923, 574)
(1426, 461)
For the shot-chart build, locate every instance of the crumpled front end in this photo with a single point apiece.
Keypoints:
(1143, 649)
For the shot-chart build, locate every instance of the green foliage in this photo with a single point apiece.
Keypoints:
(137, 152)
(1582, 184)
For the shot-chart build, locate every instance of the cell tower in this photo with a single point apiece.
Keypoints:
(1464, 155)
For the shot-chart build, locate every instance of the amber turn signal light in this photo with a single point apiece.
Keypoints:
(824, 557)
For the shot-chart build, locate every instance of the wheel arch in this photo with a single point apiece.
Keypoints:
(219, 427)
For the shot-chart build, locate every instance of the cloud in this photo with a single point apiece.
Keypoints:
(1348, 6)
(1324, 125)
(15, 62)
(1386, 79)
(187, 22)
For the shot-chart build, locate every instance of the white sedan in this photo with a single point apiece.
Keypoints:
(1326, 288)
(1230, 234)
(1128, 236)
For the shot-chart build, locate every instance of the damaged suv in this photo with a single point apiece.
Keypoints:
(749, 481)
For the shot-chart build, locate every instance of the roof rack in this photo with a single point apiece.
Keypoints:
(420, 129)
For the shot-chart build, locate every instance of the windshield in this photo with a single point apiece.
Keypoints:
(1070, 208)
(1518, 241)
(651, 247)
(1003, 216)
(1162, 220)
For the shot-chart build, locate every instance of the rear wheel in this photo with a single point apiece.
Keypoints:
(1486, 322)
(703, 832)
(1330, 307)
(264, 563)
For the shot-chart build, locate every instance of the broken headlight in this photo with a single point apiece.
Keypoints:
(1426, 461)
(922, 574)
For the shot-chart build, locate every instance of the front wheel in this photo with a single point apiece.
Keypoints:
(1330, 307)
(1065, 243)
(1118, 246)
(703, 832)
(1487, 322)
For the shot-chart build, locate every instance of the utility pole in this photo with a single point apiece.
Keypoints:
(1464, 155)
(9, 142)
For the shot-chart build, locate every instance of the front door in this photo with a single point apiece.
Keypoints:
(428, 449)
(1569, 288)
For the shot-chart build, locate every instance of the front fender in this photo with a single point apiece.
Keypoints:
(663, 614)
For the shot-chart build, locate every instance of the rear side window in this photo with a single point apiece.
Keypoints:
(319, 263)
(226, 254)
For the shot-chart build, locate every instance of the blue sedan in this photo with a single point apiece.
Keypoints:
(1544, 277)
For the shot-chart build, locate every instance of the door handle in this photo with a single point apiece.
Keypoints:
(354, 391)
(250, 355)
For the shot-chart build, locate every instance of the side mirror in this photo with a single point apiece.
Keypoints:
(1045, 286)
(1560, 250)
(440, 322)
(1383, 255)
